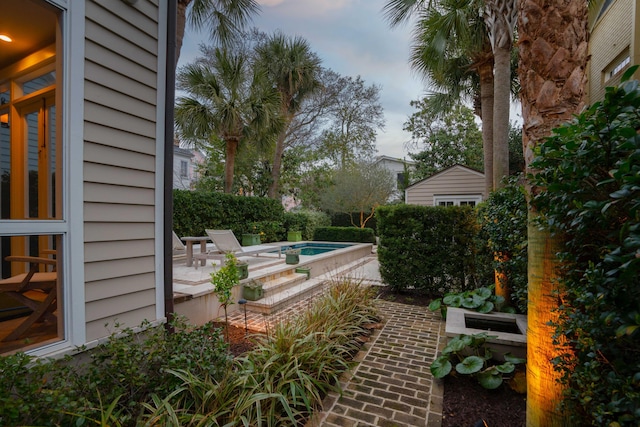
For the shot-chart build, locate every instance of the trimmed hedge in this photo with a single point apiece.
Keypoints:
(433, 249)
(344, 234)
(195, 211)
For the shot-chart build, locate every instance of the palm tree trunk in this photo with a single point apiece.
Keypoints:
(231, 148)
(502, 89)
(553, 57)
(485, 72)
(544, 392)
(181, 21)
(274, 187)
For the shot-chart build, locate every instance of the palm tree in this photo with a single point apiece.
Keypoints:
(224, 18)
(229, 100)
(553, 57)
(451, 49)
(294, 71)
(500, 17)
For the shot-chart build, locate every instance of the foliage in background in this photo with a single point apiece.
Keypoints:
(503, 221)
(355, 118)
(358, 190)
(589, 171)
(196, 211)
(127, 369)
(516, 153)
(444, 139)
(433, 249)
(344, 234)
(342, 219)
(305, 221)
(477, 364)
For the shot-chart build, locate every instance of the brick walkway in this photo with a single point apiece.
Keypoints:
(392, 385)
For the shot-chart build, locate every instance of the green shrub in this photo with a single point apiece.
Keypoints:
(433, 249)
(503, 222)
(341, 219)
(344, 234)
(589, 171)
(127, 370)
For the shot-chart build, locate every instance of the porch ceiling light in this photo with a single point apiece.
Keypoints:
(5, 38)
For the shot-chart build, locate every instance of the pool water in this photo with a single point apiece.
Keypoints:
(316, 248)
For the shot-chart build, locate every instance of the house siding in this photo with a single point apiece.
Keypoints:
(120, 130)
(611, 36)
(454, 181)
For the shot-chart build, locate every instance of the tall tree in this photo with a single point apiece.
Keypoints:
(359, 189)
(355, 117)
(500, 17)
(444, 140)
(451, 49)
(228, 99)
(293, 69)
(553, 38)
(225, 19)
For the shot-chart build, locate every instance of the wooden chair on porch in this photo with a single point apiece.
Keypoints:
(35, 289)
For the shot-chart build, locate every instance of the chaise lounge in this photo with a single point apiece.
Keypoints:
(226, 242)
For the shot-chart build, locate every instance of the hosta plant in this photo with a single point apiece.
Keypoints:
(469, 355)
(481, 300)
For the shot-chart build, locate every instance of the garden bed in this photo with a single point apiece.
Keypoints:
(465, 402)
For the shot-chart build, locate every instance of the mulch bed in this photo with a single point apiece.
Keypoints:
(465, 402)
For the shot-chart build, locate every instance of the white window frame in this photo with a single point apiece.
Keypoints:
(70, 110)
(456, 199)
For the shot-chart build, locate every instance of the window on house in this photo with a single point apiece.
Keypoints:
(617, 66)
(31, 216)
(461, 200)
(184, 172)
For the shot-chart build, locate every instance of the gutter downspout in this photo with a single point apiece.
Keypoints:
(168, 159)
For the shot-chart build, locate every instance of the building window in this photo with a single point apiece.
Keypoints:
(461, 200)
(617, 66)
(32, 229)
(184, 171)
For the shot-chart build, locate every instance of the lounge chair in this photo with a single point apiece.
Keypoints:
(178, 246)
(225, 242)
(35, 289)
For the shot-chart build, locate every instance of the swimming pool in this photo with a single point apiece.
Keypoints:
(313, 248)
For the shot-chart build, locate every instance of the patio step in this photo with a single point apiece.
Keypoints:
(282, 283)
(286, 296)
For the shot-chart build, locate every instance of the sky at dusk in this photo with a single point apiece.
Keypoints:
(352, 38)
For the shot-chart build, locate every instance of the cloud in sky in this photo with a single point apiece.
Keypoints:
(352, 38)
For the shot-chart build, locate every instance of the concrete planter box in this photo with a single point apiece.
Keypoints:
(510, 329)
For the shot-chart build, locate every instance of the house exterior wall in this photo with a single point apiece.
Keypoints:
(180, 181)
(123, 76)
(457, 180)
(613, 37)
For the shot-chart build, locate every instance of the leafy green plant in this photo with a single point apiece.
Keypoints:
(481, 300)
(471, 356)
(223, 281)
(114, 380)
(588, 172)
(503, 226)
(283, 379)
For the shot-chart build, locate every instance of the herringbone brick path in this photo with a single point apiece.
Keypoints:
(392, 385)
